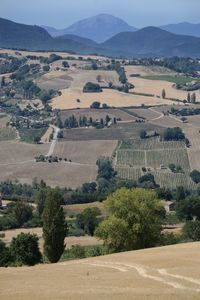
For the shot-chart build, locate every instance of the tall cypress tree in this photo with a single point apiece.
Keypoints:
(54, 227)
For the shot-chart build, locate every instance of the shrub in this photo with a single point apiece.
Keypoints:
(25, 250)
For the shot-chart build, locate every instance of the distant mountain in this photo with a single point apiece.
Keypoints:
(183, 28)
(98, 28)
(53, 31)
(20, 36)
(149, 41)
(153, 41)
(79, 39)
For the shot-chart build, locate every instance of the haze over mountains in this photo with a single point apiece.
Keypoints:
(119, 38)
(98, 28)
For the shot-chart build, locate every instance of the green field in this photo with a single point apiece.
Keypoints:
(175, 79)
(7, 134)
(28, 135)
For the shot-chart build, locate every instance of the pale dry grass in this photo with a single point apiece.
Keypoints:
(69, 241)
(155, 87)
(167, 273)
(113, 98)
(85, 152)
(146, 71)
(48, 53)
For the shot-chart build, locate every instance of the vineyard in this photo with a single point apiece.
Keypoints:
(156, 156)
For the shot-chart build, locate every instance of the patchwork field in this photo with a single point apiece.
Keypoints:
(165, 273)
(56, 80)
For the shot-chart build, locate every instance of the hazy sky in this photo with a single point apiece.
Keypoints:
(61, 13)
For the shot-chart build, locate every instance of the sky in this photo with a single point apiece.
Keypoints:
(62, 13)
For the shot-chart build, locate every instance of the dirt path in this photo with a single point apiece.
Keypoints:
(54, 141)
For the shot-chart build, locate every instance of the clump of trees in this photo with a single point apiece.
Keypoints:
(173, 134)
(92, 88)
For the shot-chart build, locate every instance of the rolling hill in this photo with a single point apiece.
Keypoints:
(164, 273)
(153, 41)
(184, 28)
(98, 28)
(20, 36)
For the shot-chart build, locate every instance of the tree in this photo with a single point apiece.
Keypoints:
(40, 199)
(65, 64)
(173, 134)
(88, 220)
(180, 193)
(143, 134)
(99, 78)
(189, 208)
(105, 169)
(37, 139)
(193, 98)
(163, 94)
(195, 175)
(188, 98)
(134, 220)
(192, 230)
(54, 227)
(92, 88)
(5, 257)
(95, 105)
(23, 212)
(3, 82)
(25, 250)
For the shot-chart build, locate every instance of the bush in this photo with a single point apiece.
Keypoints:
(24, 249)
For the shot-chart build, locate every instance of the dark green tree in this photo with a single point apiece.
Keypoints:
(54, 227)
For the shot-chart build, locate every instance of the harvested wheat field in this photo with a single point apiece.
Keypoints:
(85, 152)
(63, 174)
(97, 114)
(69, 241)
(168, 273)
(48, 53)
(113, 98)
(146, 71)
(54, 80)
(155, 87)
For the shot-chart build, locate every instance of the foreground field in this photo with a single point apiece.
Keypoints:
(157, 274)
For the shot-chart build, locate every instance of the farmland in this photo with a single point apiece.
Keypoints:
(135, 155)
(160, 273)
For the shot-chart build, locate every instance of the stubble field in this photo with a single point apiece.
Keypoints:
(165, 273)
